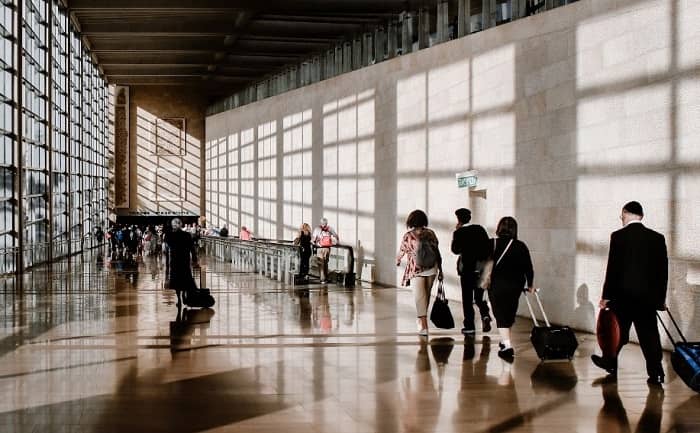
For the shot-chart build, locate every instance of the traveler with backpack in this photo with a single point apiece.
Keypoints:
(423, 263)
(324, 237)
(512, 271)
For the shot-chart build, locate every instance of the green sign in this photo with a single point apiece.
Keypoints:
(467, 179)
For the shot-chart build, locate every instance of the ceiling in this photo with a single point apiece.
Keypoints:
(218, 46)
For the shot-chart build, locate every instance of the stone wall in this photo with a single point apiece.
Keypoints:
(165, 164)
(565, 116)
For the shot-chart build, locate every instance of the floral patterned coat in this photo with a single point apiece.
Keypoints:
(409, 244)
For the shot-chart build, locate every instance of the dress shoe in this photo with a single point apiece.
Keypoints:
(605, 364)
(507, 354)
(466, 331)
(656, 380)
(486, 324)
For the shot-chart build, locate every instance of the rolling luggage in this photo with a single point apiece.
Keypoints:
(685, 358)
(551, 342)
(199, 298)
(608, 333)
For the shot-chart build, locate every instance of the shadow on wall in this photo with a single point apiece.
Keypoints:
(167, 165)
(563, 125)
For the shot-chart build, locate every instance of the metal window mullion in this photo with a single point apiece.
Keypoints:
(50, 125)
(18, 156)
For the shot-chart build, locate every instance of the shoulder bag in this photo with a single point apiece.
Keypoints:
(485, 267)
(440, 315)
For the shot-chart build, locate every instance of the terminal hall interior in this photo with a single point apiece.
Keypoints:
(161, 157)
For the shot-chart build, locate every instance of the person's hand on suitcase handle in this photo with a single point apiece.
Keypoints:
(531, 289)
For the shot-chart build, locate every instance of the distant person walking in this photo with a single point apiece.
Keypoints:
(245, 234)
(180, 257)
(512, 272)
(303, 239)
(471, 243)
(636, 281)
(423, 263)
(324, 237)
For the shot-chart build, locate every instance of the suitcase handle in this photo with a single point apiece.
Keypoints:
(675, 324)
(539, 303)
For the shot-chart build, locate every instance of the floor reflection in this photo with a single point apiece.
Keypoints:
(612, 417)
(100, 346)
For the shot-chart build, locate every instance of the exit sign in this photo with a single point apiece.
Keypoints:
(468, 179)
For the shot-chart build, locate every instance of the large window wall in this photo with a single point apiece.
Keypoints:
(53, 128)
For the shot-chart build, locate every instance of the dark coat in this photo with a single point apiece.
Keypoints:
(637, 272)
(180, 250)
(514, 270)
(472, 244)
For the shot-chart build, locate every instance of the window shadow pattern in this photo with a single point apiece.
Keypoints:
(565, 115)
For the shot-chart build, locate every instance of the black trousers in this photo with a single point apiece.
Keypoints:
(472, 294)
(644, 321)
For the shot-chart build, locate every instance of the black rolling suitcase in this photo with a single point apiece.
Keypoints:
(551, 342)
(685, 358)
(199, 298)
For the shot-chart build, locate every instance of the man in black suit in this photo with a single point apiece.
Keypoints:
(472, 244)
(635, 288)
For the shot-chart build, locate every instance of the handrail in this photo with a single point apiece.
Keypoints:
(276, 248)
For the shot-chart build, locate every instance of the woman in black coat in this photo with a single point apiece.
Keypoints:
(304, 241)
(512, 272)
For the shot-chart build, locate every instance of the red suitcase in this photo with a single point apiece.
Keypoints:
(608, 333)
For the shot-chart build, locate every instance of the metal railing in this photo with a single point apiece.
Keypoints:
(8, 260)
(276, 259)
(38, 253)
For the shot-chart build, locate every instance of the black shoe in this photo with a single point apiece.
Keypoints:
(468, 332)
(507, 354)
(486, 324)
(656, 380)
(605, 364)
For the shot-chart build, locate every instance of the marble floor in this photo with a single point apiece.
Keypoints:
(92, 346)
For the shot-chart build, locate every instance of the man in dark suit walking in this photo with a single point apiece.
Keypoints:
(472, 244)
(635, 287)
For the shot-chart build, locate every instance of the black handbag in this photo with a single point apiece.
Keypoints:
(440, 315)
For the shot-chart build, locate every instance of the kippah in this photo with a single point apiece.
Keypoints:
(634, 207)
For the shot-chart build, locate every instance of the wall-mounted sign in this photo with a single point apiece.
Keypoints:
(468, 179)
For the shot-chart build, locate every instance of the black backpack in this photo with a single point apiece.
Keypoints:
(426, 254)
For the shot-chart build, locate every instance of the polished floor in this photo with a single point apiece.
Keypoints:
(92, 346)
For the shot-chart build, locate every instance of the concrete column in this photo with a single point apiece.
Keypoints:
(347, 57)
(379, 45)
(338, 64)
(443, 21)
(367, 49)
(485, 14)
(423, 28)
(463, 18)
(406, 33)
(392, 40)
(356, 54)
(316, 75)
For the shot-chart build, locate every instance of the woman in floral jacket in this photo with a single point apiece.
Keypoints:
(423, 279)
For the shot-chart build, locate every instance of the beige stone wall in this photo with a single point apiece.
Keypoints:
(162, 179)
(565, 115)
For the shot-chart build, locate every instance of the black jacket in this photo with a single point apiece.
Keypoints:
(514, 271)
(637, 272)
(472, 244)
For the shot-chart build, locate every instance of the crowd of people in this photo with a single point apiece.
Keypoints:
(132, 240)
(635, 282)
